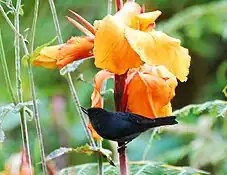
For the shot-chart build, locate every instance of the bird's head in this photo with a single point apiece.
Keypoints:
(94, 112)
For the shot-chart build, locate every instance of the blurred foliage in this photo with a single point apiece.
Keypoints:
(136, 168)
(199, 141)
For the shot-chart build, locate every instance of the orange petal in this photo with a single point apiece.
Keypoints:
(45, 61)
(128, 14)
(112, 51)
(93, 132)
(96, 96)
(155, 91)
(47, 57)
(76, 48)
(157, 48)
(163, 73)
(146, 19)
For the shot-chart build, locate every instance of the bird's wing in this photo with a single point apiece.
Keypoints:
(138, 119)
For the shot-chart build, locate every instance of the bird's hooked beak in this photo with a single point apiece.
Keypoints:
(84, 110)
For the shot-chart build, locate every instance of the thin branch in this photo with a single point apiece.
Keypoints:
(6, 71)
(24, 128)
(32, 85)
(56, 23)
(81, 114)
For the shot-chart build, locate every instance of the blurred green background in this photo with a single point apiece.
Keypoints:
(202, 27)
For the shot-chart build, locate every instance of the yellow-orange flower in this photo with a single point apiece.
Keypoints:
(60, 55)
(126, 39)
(47, 57)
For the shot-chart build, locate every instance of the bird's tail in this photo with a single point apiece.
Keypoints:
(162, 121)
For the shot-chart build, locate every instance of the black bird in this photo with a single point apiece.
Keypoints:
(123, 127)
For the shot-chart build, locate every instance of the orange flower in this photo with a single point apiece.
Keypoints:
(76, 48)
(157, 87)
(60, 55)
(126, 39)
(123, 41)
(47, 57)
(154, 83)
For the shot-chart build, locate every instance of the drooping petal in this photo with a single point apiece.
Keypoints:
(112, 51)
(157, 48)
(96, 96)
(93, 132)
(98, 80)
(156, 93)
(76, 48)
(145, 20)
(47, 57)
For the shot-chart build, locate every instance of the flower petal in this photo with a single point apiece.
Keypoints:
(128, 14)
(76, 48)
(96, 96)
(157, 48)
(155, 91)
(112, 51)
(93, 132)
(163, 73)
(45, 61)
(146, 19)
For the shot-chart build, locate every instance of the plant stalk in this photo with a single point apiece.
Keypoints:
(56, 22)
(119, 88)
(100, 159)
(6, 71)
(32, 85)
(81, 114)
(118, 4)
(24, 129)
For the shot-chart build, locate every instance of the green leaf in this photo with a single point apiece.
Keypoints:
(225, 91)
(135, 168)
(71, 67)
(21, 12)
(217, 108)
(87, 149)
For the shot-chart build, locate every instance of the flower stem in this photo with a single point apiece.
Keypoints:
(56, 23)
(69, 79)
(119, 89)
(100, 159)
(119, 4)
(109, 7)
(123, 159)
(32, 85)
(6, 72)
(24, 129)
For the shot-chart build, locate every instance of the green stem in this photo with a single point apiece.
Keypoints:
(100, 159)
(69, 79)
(109, 8)
(149, 143)
(32, 85)
(24, 129)
(81, 114)
(56, 23)
(6, 71)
